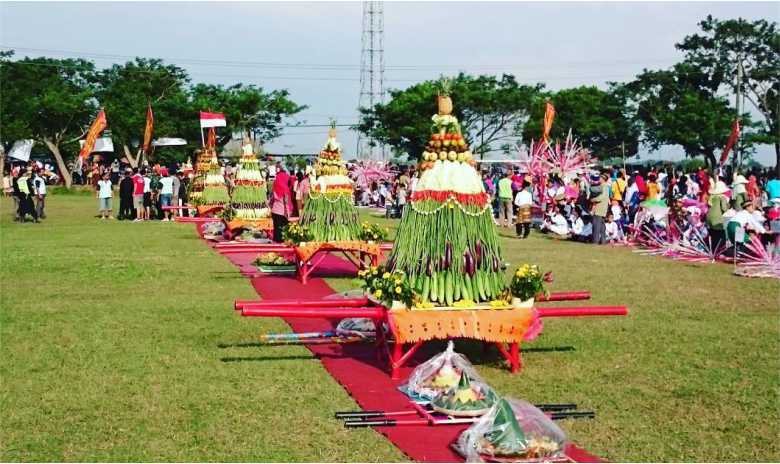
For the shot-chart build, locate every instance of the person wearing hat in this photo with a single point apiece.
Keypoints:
(739, 192)
(126, 210)
(718, 204)
(745, 221)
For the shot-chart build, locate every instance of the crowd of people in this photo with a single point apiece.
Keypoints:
(606, 206)
(612, 206)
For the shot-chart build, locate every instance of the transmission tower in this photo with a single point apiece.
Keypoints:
(372, 73)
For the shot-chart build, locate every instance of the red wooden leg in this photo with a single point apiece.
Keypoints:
(516, 362)
(398, 350)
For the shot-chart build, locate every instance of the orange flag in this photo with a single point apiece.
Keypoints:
(148, 130)
(94, 131)
(549, 116)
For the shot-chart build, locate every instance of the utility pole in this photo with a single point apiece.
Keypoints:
(737, 163)
(372, 73)
(623, 149)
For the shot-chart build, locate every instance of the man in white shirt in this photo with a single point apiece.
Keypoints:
(39, 184)
(104, 194)
(524, 202)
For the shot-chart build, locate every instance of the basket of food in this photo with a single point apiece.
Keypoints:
(512, 431)
(438, 375)
(274, 263)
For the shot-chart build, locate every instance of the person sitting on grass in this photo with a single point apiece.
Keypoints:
(613, 231)
(104, 194)
(582, 228)
(556, 223)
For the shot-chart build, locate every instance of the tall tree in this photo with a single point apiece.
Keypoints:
(247, 108)
(678, 107)
(723, 46)
(598, 119)
(47, 100)
(126, 90)
(490, 110)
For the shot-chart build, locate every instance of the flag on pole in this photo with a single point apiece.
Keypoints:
(731, 142)
(92, 134)
(212, 120)
(148, 130)
(549, 116)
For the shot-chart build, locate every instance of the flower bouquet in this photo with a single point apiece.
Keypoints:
(296, 234)
(389, 288)
(527, 282)
(274, 263)
(373, 232)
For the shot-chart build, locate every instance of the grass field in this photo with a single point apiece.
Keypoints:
(118, 343)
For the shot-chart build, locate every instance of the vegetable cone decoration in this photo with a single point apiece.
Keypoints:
(329, 212)
(202, 166)
(214, 189)
(447, 242)
(250, 193)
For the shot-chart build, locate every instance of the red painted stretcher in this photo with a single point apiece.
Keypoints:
(398, 355)
(306, 265)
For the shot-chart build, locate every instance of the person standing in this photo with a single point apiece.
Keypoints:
(183, 199)
(126, 196)
(523, 201)
(166, 193)
(105, 194)
(147, 194)
(115, 171)
(175, 196)
(281, 203)
(718, 204)
(138, 195)
(505, 199)
(26, 192)
(600, 203)
(39, 184)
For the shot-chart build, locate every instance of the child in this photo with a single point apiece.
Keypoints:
(612, 230)
(104, 194)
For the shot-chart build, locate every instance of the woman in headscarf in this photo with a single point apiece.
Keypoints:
(281, 203)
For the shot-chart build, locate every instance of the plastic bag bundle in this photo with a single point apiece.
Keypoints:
(512, 431)
(213, 228)
(360, 326)
(467, 399)
(439, 374)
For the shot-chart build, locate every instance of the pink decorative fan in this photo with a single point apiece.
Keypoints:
(570, 160)
(697, 249)
(366, 172)
(757, 261)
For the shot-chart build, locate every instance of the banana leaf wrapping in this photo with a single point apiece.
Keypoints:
(512, 431)
(331, 217)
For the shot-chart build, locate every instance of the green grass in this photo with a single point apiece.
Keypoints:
(118, 343)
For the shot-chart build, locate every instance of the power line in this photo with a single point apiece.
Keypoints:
(337, 67)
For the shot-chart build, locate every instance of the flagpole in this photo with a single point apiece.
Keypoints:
(202, 140)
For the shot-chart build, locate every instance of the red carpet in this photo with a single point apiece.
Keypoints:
(357, 369)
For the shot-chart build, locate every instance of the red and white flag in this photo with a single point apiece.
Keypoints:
(212, 120)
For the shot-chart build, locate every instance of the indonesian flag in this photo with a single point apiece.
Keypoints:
(94, 131)
(549, 116)
(148, 130)
(730, 143)
(212, 120)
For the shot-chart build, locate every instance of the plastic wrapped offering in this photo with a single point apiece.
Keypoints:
(360, 326)
(439, 374)
(512, 431)
(466, 399)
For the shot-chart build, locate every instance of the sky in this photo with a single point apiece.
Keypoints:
(314, 49)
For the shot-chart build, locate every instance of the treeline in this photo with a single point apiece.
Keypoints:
(684, 105)
(53, 102)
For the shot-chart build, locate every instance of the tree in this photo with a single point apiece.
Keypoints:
(677, 107)
(490, 111)
(126, 90)
(755, 47)
(247, 109)
(598, 119)
(47, 100)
